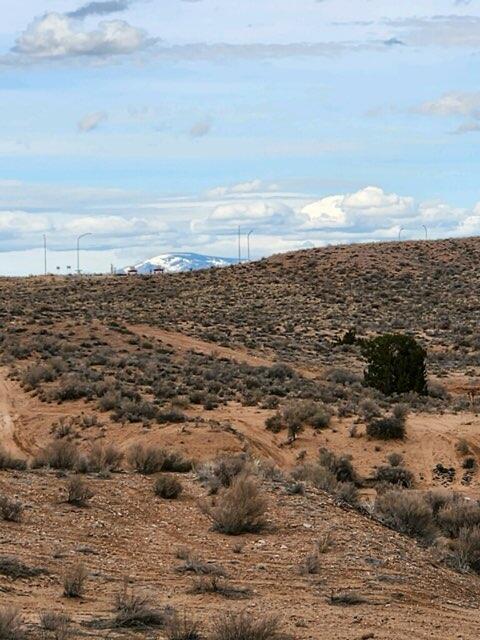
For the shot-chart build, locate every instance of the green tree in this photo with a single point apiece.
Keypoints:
(396, 364)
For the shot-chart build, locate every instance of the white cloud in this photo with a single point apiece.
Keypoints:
(439, 31)
(17, 223)
(367, 207)
(91, 121)
(225, 218)
(453, 104)
(241, 188)
(115, 226)
(55, 35)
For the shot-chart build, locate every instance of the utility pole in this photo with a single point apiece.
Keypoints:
(239, 244)
(83, 235)
(248, 243)
(45, 253)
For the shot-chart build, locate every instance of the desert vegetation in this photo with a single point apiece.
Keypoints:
(181, 455)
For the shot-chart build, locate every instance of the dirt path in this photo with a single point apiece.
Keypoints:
(183, 343)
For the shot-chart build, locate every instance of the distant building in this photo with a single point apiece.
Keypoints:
(132, 271)
(158, 271)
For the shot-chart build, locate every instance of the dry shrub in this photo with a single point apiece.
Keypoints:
(395, 475)
(406, 512)
(182, 628)
(57, 623)
(7, 461)
(78, 492)
(167, 487)
(246, 626)
(240, 508)
(105, 458)
(11, 624)
(459, 514)
(137, 610)
(146, 459)
(59, 454)
(466, 549)
(221, 472)
(14, 568)
(220, 586)
(11, 510)
(194, 564)
(74, 581)
(392, 427)
(149, 459)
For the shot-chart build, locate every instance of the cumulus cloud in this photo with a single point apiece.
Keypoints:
(368, 207)
(91, 121)
(56, 36)
(15, 224)
(99, 8)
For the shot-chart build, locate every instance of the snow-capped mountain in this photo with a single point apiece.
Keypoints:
(176, 262)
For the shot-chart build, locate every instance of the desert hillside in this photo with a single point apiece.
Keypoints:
(139, 414)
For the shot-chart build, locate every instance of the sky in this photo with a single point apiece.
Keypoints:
(160, 126)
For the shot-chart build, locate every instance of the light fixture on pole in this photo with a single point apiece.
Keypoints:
(83, 235)
(248, 243)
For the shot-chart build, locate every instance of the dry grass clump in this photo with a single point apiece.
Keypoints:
(194, 564)
(74, 581)
(246, 626)
(167, 487)
(78, 491)
(58, 624)
(406, 512)
(240, 508)
(220, 586)
(182, 627)
(134, 609)
(11, 510)
(11, 624)
(15, 568)
(7, 461)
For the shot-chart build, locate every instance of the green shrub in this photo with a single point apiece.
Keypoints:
(396, 364)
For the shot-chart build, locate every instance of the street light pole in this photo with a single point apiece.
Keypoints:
(248, 243)
(426, 231)
(45, 253)
(239, 244)
(400, 233)
(83, 235)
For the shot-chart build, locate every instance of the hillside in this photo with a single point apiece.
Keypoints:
(194, 367)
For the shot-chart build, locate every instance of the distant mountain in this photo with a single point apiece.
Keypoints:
(177, 262)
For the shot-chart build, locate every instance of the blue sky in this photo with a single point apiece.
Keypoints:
(162, 126)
